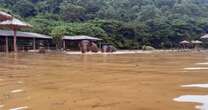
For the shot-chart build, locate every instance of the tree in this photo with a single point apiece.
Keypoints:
(24, 8)
(127, 24)
(58, 33)
(71, 12)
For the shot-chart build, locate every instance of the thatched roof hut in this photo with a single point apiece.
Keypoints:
(205, 36)
(184, 42)
(5, 16)
(14, 24)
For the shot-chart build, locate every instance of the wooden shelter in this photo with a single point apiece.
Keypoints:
(184, 44)
(25, 40)
(14, 24)
(72, 42)
(205, 36)
(196, 44)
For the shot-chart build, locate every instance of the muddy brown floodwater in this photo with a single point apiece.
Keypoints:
(100, 82)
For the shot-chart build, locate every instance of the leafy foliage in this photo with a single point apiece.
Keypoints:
(128, 24)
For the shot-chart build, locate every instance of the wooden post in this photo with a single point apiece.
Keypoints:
(68, 44)
(34, 44)
(15, 40)
(64, 44)
(7, 44)
(48, 44)
(100, 44)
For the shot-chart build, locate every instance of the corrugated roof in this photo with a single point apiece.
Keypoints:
(24, 34)
(81, 37)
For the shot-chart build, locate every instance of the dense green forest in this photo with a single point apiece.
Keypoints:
(128, 24)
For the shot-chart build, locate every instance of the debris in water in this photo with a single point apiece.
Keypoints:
(20, 108)
(196, 85)
(17, 91)
(202, 99)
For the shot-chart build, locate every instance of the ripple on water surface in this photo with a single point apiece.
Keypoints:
(20, 108)
(197, 68)
(201, 99)
(206, 63)
(196, 85)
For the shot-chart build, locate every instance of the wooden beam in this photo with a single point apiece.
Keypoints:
(15, 40)
(34, 44)
(48, 43)
(7, 44)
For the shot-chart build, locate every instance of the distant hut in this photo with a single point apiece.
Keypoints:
(5, 16)
(196, 44)
(73, 42)
(204, 37)
(184, 44)
(205, 40)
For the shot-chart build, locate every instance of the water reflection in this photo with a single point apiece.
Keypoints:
(201, 99)
(205, 63)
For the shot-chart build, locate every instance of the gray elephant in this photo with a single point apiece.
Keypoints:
(84, 46)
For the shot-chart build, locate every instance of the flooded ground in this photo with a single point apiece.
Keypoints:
(148, 81)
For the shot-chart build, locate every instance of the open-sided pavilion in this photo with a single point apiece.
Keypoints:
(72, 42)
(25, 40)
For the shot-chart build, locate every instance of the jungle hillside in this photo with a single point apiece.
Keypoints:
(127, 24)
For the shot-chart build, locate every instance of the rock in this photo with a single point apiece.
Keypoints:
(148, 48)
